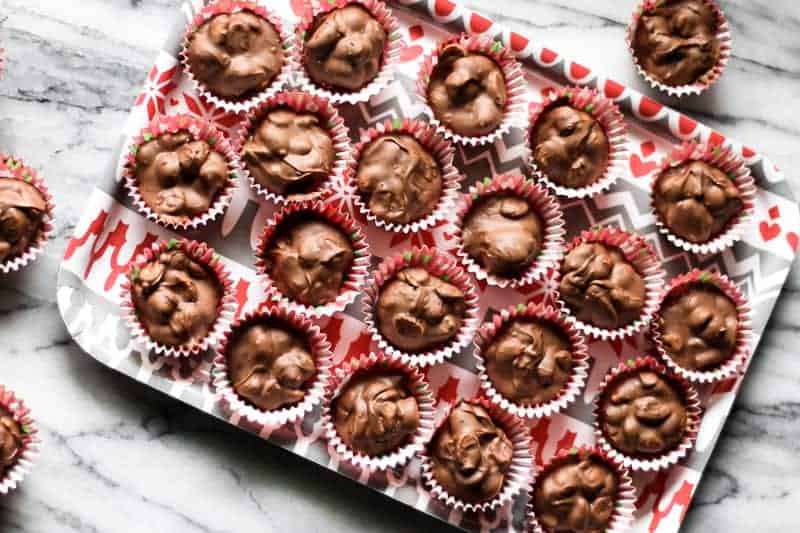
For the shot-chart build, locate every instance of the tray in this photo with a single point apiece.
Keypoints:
(111, 233)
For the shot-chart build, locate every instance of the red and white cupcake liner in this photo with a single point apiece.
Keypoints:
(693, 414)
(516, 102)
(705, 81)
(200, 130)
(625, 501)
(13, 476)
(417, 384)
(13, 168)
(354, 280)
(518, 476)
(545, 205)
(391, 51)
(580, 359)
(728, 162)
(610, 118)
(201, 253)
(744, 333)
(330, 120)
(644, 259)
(229, 7)
(441, 265)
(320, 350)
(442, 151)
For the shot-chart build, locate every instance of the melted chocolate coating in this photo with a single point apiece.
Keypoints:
(417, 311)
(376, 413)
(504, 234)
(176, 298)
(529, 362)
(400, 179)
(570, 146)
(179, 178)
(643, 414)
(696, 201)
(467, 91)
(699, 328)
(269, 364)
(11, 438)
(236, 55)
(344, 48)
(577, 496)
(308, 259)
(22, 209)
(601, 287)
(470, 454)
(676, 43)
(289, 153)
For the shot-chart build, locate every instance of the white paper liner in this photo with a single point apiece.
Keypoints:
(29, 451)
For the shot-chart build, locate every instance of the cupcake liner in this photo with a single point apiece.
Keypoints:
(358, 270)
(201, 253)
(744, 334)
(728, 162)
(440, 149)
(580, 353)
(391, 51)
(13, 168)
(625, 504)
(548, 209)
(516, 479)
(223, 7)
(515, 87)
(340, 376)
(705, 81)
(693, 414)
(642, 256)
(439, 264)
(29, 450)
(201, 130)
(305, 103)
(320, 350)
(607, 114)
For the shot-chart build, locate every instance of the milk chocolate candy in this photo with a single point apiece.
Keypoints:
(22, 211)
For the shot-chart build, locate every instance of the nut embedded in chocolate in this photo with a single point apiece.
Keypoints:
(696, 201)
(418, 311)
(467, 91)
(504, 234)
(376, 413)
(601, 287)
(176, 298)
(235, 55)
(178, 177)
(470, 455)
(643, 413)
(289, 153)
(11, 438)
(269, 364)
(570, 146)
(344, 48)
(529, 361)
(22, 211)
(699, 327)
(676, 41)
(309, 259)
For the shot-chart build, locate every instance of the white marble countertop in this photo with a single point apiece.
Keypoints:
(119, 458)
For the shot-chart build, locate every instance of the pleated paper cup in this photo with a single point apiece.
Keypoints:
(441, 265)
(203, 254)
(417, 384)
(610, 118)
(744, 334)
(29, 451)
(693, 413)
(706, 80)
(578, 349)
(725, 160)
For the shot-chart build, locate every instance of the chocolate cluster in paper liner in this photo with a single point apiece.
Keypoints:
(19, 443)
(22, 211)
(11, 440)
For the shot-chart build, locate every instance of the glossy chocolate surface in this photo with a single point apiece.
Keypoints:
(11, 438)
(22, 210)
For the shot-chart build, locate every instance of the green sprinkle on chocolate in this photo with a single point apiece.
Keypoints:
(354, 236)
(589, 108)
(27, 178)
(631, 362)
(573, 451)
(172, 244)
(487, 180)
(474, 197)
(445, 277)
(407, 257)
(276, 298)
(426, 259)
(135, 273)
(134, 149)
(27, 429)
(397, 123)
(496, 47)
(212, 141)
(520, 307)
(705, 277)
(147, 136)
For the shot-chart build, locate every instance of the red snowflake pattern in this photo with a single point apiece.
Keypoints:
(206, 111)
(155, 91)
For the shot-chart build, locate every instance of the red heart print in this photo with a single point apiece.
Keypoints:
(518, 42)
(649, 107)
(774, 212)
(747, 153)
(415, 32)
(548, 56)
(686, 125)
(792, 239)
(716, 139)
(410, 53)
(547, 92)
(648, 147)
(578, 71)
(479, 24)
(614, 89)
(642, 168)
(444, 7)
(769, 231)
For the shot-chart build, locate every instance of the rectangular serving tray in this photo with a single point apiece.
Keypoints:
(111, 233)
